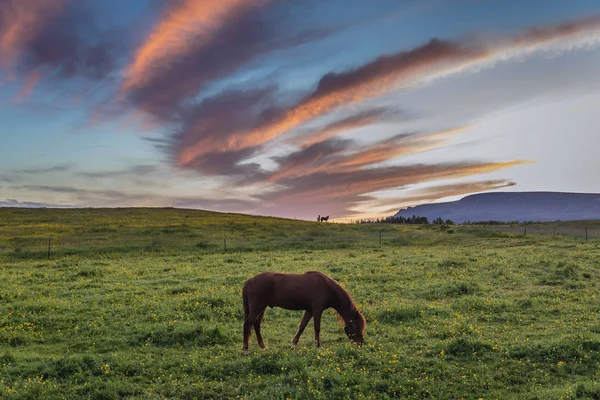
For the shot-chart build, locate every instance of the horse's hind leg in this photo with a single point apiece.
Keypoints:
(257, 323)
(307, 316)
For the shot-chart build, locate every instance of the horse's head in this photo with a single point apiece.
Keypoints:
(355, 327)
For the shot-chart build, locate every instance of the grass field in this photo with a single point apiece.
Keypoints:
(465, 313)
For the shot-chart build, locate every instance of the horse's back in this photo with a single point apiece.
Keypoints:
(291, 291)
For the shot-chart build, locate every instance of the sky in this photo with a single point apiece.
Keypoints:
(347, 108)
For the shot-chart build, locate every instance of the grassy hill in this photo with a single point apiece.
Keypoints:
(146, 303)
(28, 230)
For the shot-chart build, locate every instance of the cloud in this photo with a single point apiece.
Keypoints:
(309, 159)
(336, 155)
(339, 184)
(396, 146)
(28, 87)
(184, 70)
(21, 21)
(187, 26)
(76, 43)
(377, 207)
(70, 47)
(214, 118)
(356, 121)
(30, 204)
(136, 170)
(78, 197)
(341, 190)
(54, 189)
(20, 175)
(45, 170)
(404, 69)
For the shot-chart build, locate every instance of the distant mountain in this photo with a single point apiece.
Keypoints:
(512, 206)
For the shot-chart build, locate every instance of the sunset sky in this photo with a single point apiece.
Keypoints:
(347, 108)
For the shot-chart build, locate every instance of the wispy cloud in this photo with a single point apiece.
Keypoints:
(77, 197)
(166, 77)
(309, 159)
(61, 46)
(340, 191)
(28, 87)
(30, 204)
(186, 26)
(21, 21)
(356, 121)
(136, 170)
(45, 170)
(386, 207)
(212, 119)
(336, 155)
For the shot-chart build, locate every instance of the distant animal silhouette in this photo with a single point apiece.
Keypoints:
(325, 218)
(312, 292)
(319, 218)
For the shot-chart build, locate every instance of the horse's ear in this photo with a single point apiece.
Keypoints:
(356, 315)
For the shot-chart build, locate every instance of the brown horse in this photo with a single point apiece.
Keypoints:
(325, 218)
(312, 292)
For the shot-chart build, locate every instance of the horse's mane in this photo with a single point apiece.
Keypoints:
(342, 293)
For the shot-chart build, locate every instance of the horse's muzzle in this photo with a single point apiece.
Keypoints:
(359, 340)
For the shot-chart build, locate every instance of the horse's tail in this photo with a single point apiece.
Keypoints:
(245, 301)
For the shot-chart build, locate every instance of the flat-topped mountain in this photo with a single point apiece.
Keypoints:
(512, 206)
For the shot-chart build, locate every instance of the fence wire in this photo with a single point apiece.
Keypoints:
(43, 246)
(554, 231)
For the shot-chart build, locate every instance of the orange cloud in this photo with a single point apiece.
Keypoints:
(401, 70)
(28, 87)
(340, 193)
(393, 148)
(384, 207)
(20, 22)
(329, 160)
(186, 26)
(357, 121)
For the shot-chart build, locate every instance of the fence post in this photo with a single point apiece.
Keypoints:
(225, 244)
(586, 235)
(49, 248)
(525, 231)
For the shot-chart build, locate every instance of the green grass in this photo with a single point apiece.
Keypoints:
(460, 315)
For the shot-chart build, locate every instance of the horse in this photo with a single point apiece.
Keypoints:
(319, 218)
(312, 292)
(325, 218)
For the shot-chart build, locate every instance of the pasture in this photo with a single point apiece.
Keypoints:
(146, 303)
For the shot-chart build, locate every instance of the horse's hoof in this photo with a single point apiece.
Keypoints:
(246, 352)
(265, 348)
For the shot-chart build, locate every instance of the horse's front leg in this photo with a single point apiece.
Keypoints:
(257, 324)
(307, 316)
(317, 315)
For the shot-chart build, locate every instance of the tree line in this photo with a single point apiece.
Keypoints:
(413, 220)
